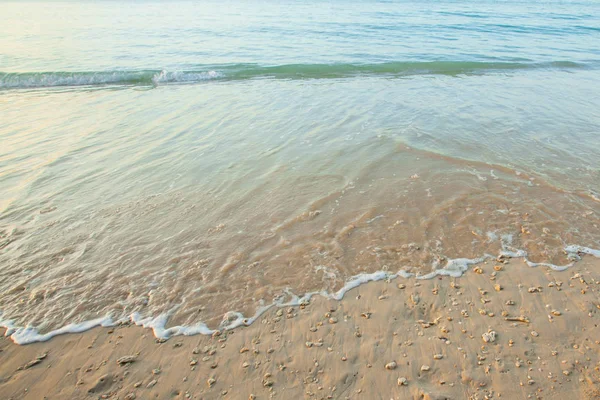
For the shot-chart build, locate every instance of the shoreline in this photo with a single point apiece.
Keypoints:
(410, 339)
(454, 268)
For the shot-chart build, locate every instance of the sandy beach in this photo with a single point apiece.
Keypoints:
(503, 330)
(287, 200)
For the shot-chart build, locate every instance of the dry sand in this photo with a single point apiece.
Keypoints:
(403, 339)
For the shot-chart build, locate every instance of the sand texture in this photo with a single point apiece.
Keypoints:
(501, 331)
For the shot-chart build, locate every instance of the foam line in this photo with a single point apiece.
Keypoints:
(453, 267)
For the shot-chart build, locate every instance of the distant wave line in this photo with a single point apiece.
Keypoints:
(24, 80)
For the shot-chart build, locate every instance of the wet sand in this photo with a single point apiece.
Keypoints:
(500, 331)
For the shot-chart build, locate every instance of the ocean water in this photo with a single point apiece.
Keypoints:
(186, 165)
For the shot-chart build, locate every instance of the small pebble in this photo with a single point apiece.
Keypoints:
(489, 337)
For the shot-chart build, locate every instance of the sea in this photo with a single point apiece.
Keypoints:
(186, 165)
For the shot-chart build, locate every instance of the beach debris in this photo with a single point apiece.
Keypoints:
(402, 381)
(366, 315)
(415, 299)
(35, 361)
(497, 288)
(156, 371)
(391, 365)
(130, 396)
(401, 286)
(211, 381)
(268, 383)
(534, 334)
(556, 313)
(126, 360)
(534, 289)
(425, 368)
(333, 320)
(478, 270)
(517, 319)
(151, 383)
(489, 336)
(498, 267)
(252, 397)
(438, 356)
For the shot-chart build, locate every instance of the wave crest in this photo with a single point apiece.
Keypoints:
(28, 80)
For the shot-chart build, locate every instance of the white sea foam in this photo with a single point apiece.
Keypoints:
(453, 267)
(584, 250)
(26, 335)
(66, 79)
(552, 266)
(184, 77)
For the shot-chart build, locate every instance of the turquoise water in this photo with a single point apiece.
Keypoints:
(188, 163)
(134, 41)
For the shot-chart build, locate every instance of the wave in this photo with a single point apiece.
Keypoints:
(28, 80)
(23, 335)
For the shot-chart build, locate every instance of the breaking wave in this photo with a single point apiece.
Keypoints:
(150, 77)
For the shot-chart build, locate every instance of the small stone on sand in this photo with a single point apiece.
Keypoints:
(489, 337)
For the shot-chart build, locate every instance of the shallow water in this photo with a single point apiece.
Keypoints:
(191, 160)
